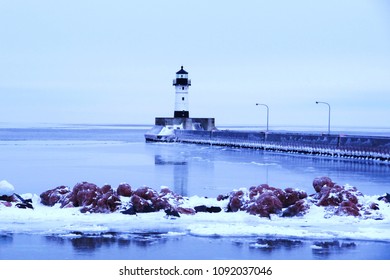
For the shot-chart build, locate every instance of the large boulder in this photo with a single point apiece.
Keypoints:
(343, 200)
(264, 200)
(124, 189)
(53, 196)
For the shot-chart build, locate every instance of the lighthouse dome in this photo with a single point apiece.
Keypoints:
(181, 71)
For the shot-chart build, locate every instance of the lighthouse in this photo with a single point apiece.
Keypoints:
(167, 129)
(181, 84)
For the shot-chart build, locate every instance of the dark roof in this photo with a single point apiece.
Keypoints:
(182, 71)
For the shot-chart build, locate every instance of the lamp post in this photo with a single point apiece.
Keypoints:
(257, 104)
(318, 102)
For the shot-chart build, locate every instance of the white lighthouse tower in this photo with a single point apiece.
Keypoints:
(181, 84)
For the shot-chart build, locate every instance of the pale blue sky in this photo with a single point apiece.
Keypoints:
(114, 61)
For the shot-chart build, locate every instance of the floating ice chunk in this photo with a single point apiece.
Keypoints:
(6, 188)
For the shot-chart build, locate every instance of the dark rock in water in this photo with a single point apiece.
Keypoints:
(385, 198)
(172, 213)
(129, 211)
(204, 208)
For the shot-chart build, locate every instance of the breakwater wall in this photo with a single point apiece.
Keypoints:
(370, 148)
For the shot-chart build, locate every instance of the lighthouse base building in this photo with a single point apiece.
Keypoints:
(165, 127)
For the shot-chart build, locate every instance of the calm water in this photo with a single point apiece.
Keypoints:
(37, 159)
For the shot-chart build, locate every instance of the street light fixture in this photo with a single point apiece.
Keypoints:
(257, 104)
(318, 102)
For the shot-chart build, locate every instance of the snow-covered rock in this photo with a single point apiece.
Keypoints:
(6, 188)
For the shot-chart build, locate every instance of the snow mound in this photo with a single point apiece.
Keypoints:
(6, 188)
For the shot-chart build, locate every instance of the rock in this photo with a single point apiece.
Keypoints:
(172, 213)
(86, 195)
(129, 211)
(6, 203)
(385, 198)
(140, 204)
(374, 206)
(347, 208)
(265, 205)
(342, 200)
(204, 208)
(320, 182)
(24, 203)
(83, 194)
(124, 190)
(53, 196)
(235, 202)
(265, 200)
(299, 208)
(7, 198)
(186, 211)
(146, 193)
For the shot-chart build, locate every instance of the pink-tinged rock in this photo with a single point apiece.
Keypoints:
(83, 194)
(343, 199)
(160, 203)
(299, 208)
(320, 182)
(6, 203)
(53, 196)
(236, 201)
(347, 208)
(334, 196)
(106, 189)
(186, 211)
(290, 196)
(265, 205)
(146, 193)
(140, 204)
(124, 190)
(222, 197)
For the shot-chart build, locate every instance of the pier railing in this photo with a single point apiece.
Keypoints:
(369, 148)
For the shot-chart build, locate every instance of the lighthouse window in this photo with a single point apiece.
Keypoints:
(182, 98)
(182, 88)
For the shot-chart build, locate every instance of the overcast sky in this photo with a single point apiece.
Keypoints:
(114, 61)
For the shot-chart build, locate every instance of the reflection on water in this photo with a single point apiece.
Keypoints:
(180, 171)
(275, 244)
(326, 248)
(160, 245)
(6, 238)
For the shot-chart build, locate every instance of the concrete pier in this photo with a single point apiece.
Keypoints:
(368, 148)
